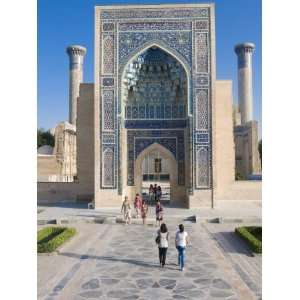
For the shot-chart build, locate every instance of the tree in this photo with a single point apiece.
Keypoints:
(44, 138)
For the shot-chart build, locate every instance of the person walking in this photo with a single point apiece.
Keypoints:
(162, 241)
(151, 194)
(155, 191)
(137, 204)
(159, 213)
(144, 211)
(158, 193)
(126, 210)
(181, 241)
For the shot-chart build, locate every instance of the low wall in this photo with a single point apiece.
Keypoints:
(242, 190)
(53, 192)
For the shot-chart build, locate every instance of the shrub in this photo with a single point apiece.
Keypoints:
(252, 235)
(50, 238)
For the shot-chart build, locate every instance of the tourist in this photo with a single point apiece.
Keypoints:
(181, 241)
(158, 193)
(155, 191)
(159, 213)
(126, 210)
(144, 211)
(151, 193)
(137, 204)
(162, 242)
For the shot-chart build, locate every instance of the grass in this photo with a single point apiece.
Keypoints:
(50, 238)
(252, 235)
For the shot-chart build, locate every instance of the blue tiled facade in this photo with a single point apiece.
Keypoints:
(174, 43)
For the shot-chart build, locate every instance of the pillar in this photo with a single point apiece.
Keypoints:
(244, 53)
(76, 54)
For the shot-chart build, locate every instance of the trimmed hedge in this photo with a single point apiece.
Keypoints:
(252, 235)
(50, 238)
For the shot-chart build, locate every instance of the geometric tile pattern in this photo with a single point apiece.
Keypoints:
(202, 175)
(185, 34)
(202, 109)
(108, 171)
(138, 140)
(108, 109)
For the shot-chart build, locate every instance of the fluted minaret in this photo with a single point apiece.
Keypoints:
(244, 53)
(76, 54)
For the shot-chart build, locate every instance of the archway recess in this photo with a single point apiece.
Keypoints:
(154, 97)
(165, 154)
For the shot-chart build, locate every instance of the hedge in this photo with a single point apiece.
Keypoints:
(50, 238)
(252, 235)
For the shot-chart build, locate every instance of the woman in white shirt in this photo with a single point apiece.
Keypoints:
(162, 242)
(181, 241)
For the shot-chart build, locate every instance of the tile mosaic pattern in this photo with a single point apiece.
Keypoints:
(186, 36)
(138, 140)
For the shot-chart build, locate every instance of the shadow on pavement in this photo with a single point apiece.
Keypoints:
(116, 259)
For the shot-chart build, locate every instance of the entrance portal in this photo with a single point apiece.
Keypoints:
(155, 112)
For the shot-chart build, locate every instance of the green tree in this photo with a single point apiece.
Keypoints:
(44, 138)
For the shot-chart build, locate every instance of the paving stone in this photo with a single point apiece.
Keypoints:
(221, 284)
(167, 282)
(145, 283)
(91, 284)
(91, 294)
(221, 293)
(121, 293)
(203, 281)
(109, 281)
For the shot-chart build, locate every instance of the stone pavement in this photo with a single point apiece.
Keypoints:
(121, 262)
(223, 209)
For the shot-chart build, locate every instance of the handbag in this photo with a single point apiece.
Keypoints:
(157, 240)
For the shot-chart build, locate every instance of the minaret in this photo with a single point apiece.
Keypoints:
(244, 53)
(76, 54)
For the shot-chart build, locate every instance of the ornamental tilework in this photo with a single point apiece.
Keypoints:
(201, 44)
(108, 109)
(138, 140)
(108, 59)
(108, 81)
(202, 25)
(108, 138)
(159, 111)
(202, 109)
(202, 137)
(127, 32)
(130, 42)
(154, 124)
(202, 174)
(193, 12)
(201, 80)
(108, 26)
(143, 143)
(138, 26)
(108, 167)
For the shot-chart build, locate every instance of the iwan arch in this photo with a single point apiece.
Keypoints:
(155, 91)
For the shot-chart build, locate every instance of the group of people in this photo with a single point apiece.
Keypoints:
(181, 242)
(155, 193)
(162, 239)
(141, 209)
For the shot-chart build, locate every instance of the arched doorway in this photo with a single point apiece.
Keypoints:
(157, 165)
(155, 92)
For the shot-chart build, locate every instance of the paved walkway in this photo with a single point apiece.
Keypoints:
(121, 262)
(223, 209)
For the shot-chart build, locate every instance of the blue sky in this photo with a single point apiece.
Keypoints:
(65, 22)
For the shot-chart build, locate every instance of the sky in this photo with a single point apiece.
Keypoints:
(65, 22)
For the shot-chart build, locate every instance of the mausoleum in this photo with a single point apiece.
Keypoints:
(157, 113)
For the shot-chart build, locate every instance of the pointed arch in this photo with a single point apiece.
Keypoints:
(164, 47)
